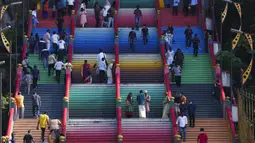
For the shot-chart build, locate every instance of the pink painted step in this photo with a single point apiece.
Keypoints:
(147, 130)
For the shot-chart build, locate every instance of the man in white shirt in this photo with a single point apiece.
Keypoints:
(102, 69)
(110, 73)
(175, 7)
(55, 39)
(68, 64)
(58, 67)
(51, 63)
(193, 5)
(182, 122)
(100, 56)
(70, 6)
(46, 38)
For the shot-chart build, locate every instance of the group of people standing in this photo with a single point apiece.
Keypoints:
(143, 102)
(188, 5)
(104, 70)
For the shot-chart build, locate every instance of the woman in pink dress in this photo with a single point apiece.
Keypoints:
(83, 17)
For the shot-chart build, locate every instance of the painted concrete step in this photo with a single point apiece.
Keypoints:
(21, 127)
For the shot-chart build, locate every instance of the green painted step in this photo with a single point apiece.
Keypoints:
(92, 101)
(134, 3)
(197, 70)
(33, 59)
(156, 91)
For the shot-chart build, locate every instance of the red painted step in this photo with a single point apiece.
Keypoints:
(179, 20)
(50, 22)
(147, 130)
(126, 17)
(91, 130)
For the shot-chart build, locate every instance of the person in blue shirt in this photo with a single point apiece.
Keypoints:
(191, 112)
(141, 104)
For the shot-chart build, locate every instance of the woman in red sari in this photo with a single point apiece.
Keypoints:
(86, 72)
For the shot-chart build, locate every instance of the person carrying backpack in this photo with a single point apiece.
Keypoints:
(132, 38)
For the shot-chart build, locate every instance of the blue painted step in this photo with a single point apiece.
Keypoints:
(201, 95)
(180, 39)
(51, 100)
(42, 31)
(89, 40)
(151, 47)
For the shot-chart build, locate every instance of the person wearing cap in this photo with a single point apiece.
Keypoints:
(202, 137)
(166, 106)
(20, 106)
(110, 73)
(147, 103)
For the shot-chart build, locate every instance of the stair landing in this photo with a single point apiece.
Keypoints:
(21, 127)
(217, 131)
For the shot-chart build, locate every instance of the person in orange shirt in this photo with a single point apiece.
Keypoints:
(20, 106)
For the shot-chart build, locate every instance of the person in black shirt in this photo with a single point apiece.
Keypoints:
(28, 138)
(145, 34)
(132, 38)
(59, 24)
(196, 42)
(188, 34)
(186, 7)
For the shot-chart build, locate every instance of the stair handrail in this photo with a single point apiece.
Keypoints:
(18, 80)
(117, 76)
(225, 102)
(68, 69)
(166, 70)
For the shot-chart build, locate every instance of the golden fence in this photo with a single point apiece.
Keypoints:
(246, 103)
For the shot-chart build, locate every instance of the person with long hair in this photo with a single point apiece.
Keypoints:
(129, 106)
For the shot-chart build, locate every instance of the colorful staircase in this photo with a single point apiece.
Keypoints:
(141, 68)
(167, 18)
(197, 82)
(91, 130)
(33, 59)
(156, 91)
(23, 125)
(152, 129)
(42, 31)
(92, 101)
(50, 22)
(126, 17)
(134, 3)
(77, 62)
(89, 40)
(147, 130)
(151, 47)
